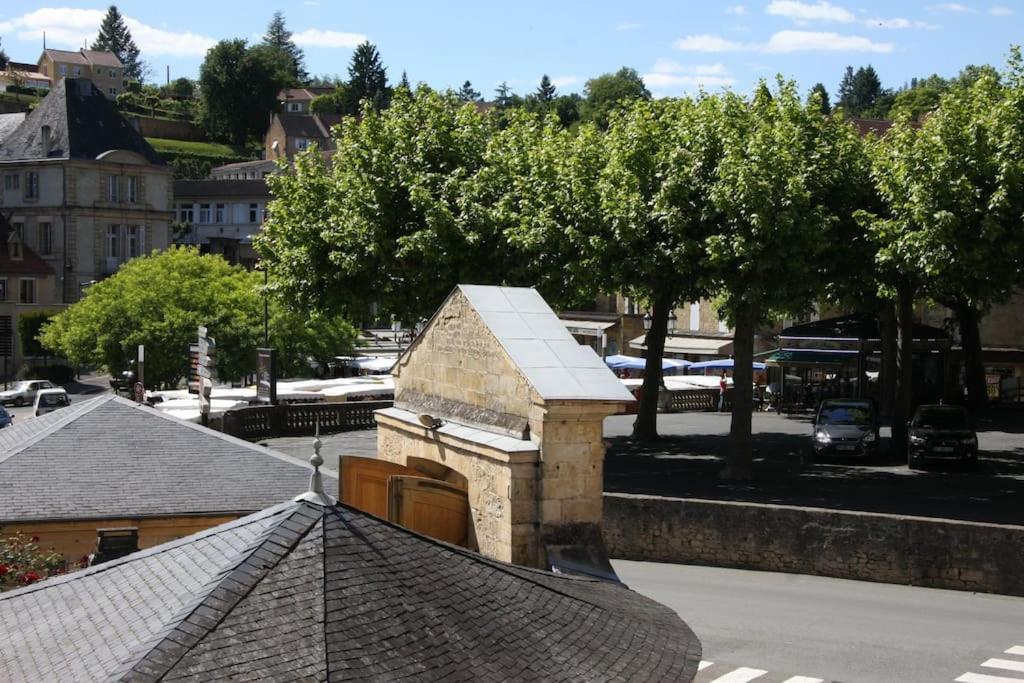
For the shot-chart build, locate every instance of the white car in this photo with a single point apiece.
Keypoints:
(24, 392)
(49, 400)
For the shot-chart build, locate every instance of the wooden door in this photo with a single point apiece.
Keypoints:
(363, 483)
(433, 508)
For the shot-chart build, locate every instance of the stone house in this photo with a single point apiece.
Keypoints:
(82, 187)
(118, 465)
(289, 134)
(222, 216)
(102, 68)
(297, 100)
(24, 75)
(27, 284)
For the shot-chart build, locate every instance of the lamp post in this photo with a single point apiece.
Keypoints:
(672, 322)
(647, 321)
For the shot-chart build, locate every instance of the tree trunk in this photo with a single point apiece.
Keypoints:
(738, 459)
(645, 428)
(969, 320)
(904, 368)
(887, 376)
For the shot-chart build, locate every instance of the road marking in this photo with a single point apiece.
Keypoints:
(1008, 664)
(1015, 650)
(740, 675)
(984, 678)
(803, 679)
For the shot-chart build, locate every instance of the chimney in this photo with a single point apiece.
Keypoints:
(46, 141)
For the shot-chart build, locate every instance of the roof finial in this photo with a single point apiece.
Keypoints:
(316, 491)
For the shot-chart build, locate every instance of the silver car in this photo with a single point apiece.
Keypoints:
(846, 427)
(24, 393)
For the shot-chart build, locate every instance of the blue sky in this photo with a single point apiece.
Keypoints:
(677, 46)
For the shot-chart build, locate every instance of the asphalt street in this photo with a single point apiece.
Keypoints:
(834, 629)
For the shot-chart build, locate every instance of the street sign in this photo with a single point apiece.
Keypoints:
(204, 349)
(203, 372)
(193, 366)
(266, 375)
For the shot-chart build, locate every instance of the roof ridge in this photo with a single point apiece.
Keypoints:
(215, 601)
(66, 417)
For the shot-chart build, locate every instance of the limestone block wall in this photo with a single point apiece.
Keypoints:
(918, 551)
(460, 360)
(501, 486)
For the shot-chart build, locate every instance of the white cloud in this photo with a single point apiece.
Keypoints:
(68, 27)
(670, 66)
(314, 37)
(953, 7)
(564, 81)
(738, 10)
(898, 23)
(707, 43)
(668, 76)
(786, 41)
(627, 26)
(802, 11)
(1000, 11)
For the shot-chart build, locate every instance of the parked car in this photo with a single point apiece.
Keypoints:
(846, 427)
(6, 419)
(941, 432)
(49, 400)
(123, 381)
(23, 393)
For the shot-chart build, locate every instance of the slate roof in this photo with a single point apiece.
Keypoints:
(83, 125)
(538, 343)
(308, 125)
(85, 57)
(9, 123)
(314, 592)
(220, 188)
(109, 458)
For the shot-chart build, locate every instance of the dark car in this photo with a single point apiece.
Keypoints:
(846, 427)
(6, 419)
(939, 432)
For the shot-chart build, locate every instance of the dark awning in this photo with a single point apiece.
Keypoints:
(811, 358)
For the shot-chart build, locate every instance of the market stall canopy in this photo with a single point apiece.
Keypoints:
(721, 364)
(703, 346)
(588, 328)
(620, 362)
(854, 328)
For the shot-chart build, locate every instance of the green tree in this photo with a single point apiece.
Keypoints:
(29, 326)
(301, 337)
(546, 90)
(336, 102)
(820, 95)
(468, 94)
(861, 94)
(777, 189)
(607, 92)
(239, 87)
(115, 37)
(3, 57)
(279, 37)
(386, 223)
(567, 107)
(160, 300)
(180, 88)
(404, 82)
(368, 80)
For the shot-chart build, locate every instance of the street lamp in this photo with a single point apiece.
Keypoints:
(672, 322)
(647, 321)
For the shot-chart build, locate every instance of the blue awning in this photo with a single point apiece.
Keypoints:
(620, 362)
(721, 364)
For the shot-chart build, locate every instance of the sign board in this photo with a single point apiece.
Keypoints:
(193, 368)
(204, 348)
(266, 375)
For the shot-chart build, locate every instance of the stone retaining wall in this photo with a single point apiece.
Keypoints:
(919, 551)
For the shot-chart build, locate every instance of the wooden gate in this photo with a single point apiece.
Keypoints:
(417, 500)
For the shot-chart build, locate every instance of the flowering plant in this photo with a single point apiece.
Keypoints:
(23, 561)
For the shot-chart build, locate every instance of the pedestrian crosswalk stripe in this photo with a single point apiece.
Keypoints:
(1015, 650)
(1008, 664)
(740, 675)
(803, 679)
(985, 678)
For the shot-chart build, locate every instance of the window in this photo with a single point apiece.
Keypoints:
(19, 231)
(695, 316)
(218, 214)
(186, 213)
(32, 185)
(14, 241)
(723, 326)
(45, 238)
(294, 106)
(78, 71)
(112, 188)
(136, 241)
(113, 248)
(301, 144)
(28, 290)
(12, 181)
(3, 289)
(113, 73)
(113, 91)
(99, 70)
(254, 212)
(63, 69)
(204, 213)
(133, 189)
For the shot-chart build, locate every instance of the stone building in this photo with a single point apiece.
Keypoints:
(289, 134)
(27, 284)
(498, 393)
(83, 187)
(102, 68)
(222, 216)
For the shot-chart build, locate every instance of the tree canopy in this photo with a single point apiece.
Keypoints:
(467, 93)
(604, 93)
(161, 299)
(279, 37)
(239, 85)
(115, 37)
(368, 79)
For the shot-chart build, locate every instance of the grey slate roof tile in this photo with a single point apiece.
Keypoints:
(111, 458)
(342, 596)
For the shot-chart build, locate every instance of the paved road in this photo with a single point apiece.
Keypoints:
(832, 629)
(89, 387)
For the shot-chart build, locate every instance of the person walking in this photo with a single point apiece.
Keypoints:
(722, 386)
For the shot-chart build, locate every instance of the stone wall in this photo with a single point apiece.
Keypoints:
(166, 128)
(854, 545)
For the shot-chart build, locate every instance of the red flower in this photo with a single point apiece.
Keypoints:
(30, 576)
(4, 569)
(35, 539)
